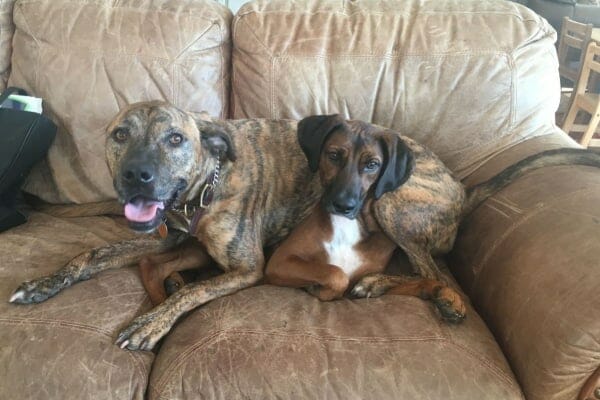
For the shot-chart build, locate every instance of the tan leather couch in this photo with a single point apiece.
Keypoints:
(476, 81)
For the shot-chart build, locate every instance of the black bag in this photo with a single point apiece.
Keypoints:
(24, 140)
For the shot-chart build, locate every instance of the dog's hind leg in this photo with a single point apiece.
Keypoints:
(146, 330)
(155, 270)
(447, 300)
(89, 263)
(421, 260)
(243, 265)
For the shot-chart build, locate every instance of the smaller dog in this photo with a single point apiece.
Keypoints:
(341, 241)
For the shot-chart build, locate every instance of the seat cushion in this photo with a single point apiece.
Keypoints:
(88, 59)
(269, 342)
(64, 348)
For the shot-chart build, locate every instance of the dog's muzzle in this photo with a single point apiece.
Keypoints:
(345, 205)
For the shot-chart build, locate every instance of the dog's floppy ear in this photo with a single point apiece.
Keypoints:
(217, 139)
(312, 132)
(398, 163)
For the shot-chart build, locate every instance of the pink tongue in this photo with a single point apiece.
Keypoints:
(142, 210)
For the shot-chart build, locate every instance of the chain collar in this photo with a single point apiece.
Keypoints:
(188, 209)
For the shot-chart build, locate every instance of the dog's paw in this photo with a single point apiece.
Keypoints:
(450, 305)
(37, 290)
(324, 293)
(368, 286)
(144, 332)
(173, 283)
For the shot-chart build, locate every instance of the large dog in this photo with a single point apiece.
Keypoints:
(238, 186)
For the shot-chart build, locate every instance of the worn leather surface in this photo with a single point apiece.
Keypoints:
(440, 71)
(64, 348)
(272, 343)
(87, 59)
(528, 259)
(457, 76)
(7, 29)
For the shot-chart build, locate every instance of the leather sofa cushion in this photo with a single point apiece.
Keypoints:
(7, 29)
(528, 258)
(269, 342)
(264, 342)
(87, 59)
(64, 348)
(466, 78)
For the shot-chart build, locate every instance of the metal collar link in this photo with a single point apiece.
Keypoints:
(189, 210)
(206, 195)
(215, 179)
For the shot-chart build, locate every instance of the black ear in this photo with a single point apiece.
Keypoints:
(398, 164)
(312, 132)
(217, 139)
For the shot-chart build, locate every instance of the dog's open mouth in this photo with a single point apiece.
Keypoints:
(144, 214)
(140, 209)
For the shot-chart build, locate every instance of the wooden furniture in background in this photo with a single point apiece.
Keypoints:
(585, 100)
(573, 40)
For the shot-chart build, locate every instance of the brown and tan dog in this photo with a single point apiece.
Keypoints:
(341, 241)
(228, 189)
(250, 174)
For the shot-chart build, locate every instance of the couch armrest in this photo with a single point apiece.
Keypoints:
(528, 258)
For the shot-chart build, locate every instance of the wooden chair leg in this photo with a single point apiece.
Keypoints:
(591, 129)
(570, 119)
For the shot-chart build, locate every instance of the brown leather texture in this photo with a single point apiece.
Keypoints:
(528, 259)
(591, 389)
(279, 343)
(7, 29)
(457, 76)
(64, 348)
(476, 81)
(88, 59)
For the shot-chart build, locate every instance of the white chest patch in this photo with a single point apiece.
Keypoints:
(346, 233)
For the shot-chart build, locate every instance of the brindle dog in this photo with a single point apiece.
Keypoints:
(161, 158)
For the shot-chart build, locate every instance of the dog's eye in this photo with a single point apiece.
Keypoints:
(175, 139)
(120, 135)
(333, 155)
(372, 165)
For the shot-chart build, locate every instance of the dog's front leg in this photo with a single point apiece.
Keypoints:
(89, 263)
(146, 330)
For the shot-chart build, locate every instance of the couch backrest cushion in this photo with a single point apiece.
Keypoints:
(467, 78)
(7, 29)
(89, 58)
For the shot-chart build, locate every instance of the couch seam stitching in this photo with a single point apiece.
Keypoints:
(225, 105)
(37, 44)
(505, 378)
(196, 14)
(383, 13)
(216, 336)
(221, 332)
(224, 334)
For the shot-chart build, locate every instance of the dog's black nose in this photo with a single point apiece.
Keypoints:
(138, 174)
(345, 206)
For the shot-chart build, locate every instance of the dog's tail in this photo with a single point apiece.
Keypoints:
(109, 207)
(550, 158)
